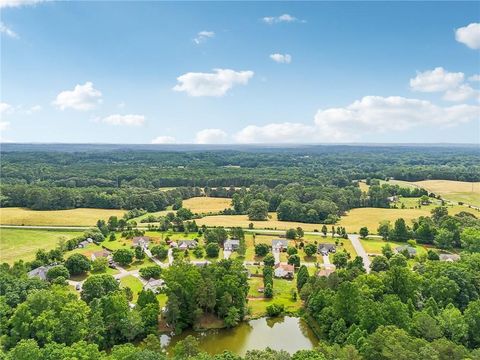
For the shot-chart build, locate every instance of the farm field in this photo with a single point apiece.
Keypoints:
(16, 244)
(467, 192)
(71, 217)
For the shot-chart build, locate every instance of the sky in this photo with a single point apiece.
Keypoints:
(239, 73)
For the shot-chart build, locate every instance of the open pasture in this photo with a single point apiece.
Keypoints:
(22, 244)
(70, 217)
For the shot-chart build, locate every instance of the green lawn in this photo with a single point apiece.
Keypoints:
(374, 246)
(22, 244)
(133, 283)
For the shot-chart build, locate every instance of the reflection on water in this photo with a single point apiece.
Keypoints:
(283, 333)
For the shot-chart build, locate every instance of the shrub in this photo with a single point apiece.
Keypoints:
(153, 271)
(58, 271)
(275, 310)
(77, 264)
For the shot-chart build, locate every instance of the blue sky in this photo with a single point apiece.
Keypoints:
(143, 72)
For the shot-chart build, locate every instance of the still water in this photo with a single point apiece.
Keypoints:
(285, 333)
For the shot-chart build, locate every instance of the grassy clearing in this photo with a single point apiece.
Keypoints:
(468, 192)
(16, 244)
(72, 217)
(282, 290)
(374, 246)
(133, 283)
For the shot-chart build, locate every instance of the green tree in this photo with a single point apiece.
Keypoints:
(444, 239)
(310, 249)
(261, 249)
(379, 263)
(400, 231)
(302, 277)
(268, 291)
(139, 253)
(387, 251)
(232, 318)
(340, 259)
(159, 251)
(269, 260)
(57, 271)
(100, 264)
(470, 238)
(186, 348)
(212, 250)
(258, 210)
(453, 324)
(97, 286)
(363, 232)
(123, 256)
(291, 234)
(324, 230)
(77, 264)
(294, 260)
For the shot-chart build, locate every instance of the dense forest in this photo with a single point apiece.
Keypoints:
(310, 184)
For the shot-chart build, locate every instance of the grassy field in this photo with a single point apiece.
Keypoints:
(374, 246)
(282, 294)
(133, 283)
(16, 244)
(467, 192)
(352, 221)
(72, 217)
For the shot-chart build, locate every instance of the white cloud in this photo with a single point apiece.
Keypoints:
(435, 80)
(287, 18)
(376, 114)
(281, 58)
(4, 125)
(7, 31)
(203, 36)
(128, 120)
(164, 140)
(33, 109)
(211, 136)
(17, 3)
(369, 115)
(475, 77)
(469, 35)
(5, 108)
(276, 133)
(211, 84)
(82, 97)
(461, 93)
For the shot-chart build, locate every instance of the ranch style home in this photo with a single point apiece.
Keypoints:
(279, 244)
(401, 249)
(231, 245)
(325, 249)
(187, 244)
(142, 241)
(284, 271)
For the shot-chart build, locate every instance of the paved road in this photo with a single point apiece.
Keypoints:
(357, 245)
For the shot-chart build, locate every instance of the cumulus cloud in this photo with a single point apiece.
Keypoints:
(128, 120)
(469, 35)
(18, 3)
(285, 18)
(463, 92)
(203, 36)
(475, 77)
(211, 84)
(5, 108)
(383, 114)
(82, 97)
(281, 58)
(211, 136)
(4, 125)
(276, 133)
(436, 80)
(369, 115)
(7, 31)
(164, 140)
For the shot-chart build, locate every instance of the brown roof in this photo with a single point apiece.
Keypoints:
(285, 267)
(325, 272)
(102, 253)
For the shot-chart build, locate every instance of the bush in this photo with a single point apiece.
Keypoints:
(153, 271)
(77, 264)
(275, 310)
(310, 249)
(262, 249)
(212, 250)
(160, 252)
(58, 271)
(198, 252)
(268, 291)
(291, 250)
(123, 256)
(99, 264)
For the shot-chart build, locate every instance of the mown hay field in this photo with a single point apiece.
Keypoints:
(71, 217)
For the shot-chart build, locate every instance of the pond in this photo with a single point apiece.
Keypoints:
(284, 333)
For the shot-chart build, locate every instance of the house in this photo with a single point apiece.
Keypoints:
(325, 249)
(284, 271)
(104, 253)
(279, 245)
(173, 244)
(201, 263)
(154, 284)
(84, 243)
(40, 272)
(141, 241)
(187, 244)
(326, 272)
(393, 198)
(401, 249)
(231, 245)
(449, 257)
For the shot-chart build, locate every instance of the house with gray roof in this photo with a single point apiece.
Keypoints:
(231, 245)
(449, 257)
(279, 244)
(401, 250)
(325, 249)
(40, 272)
(187, 244)
(141, 241)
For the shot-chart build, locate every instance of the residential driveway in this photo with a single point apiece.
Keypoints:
(170, 256)
(357, 245)
(226, 254)
(154, 259)
(276, 255)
